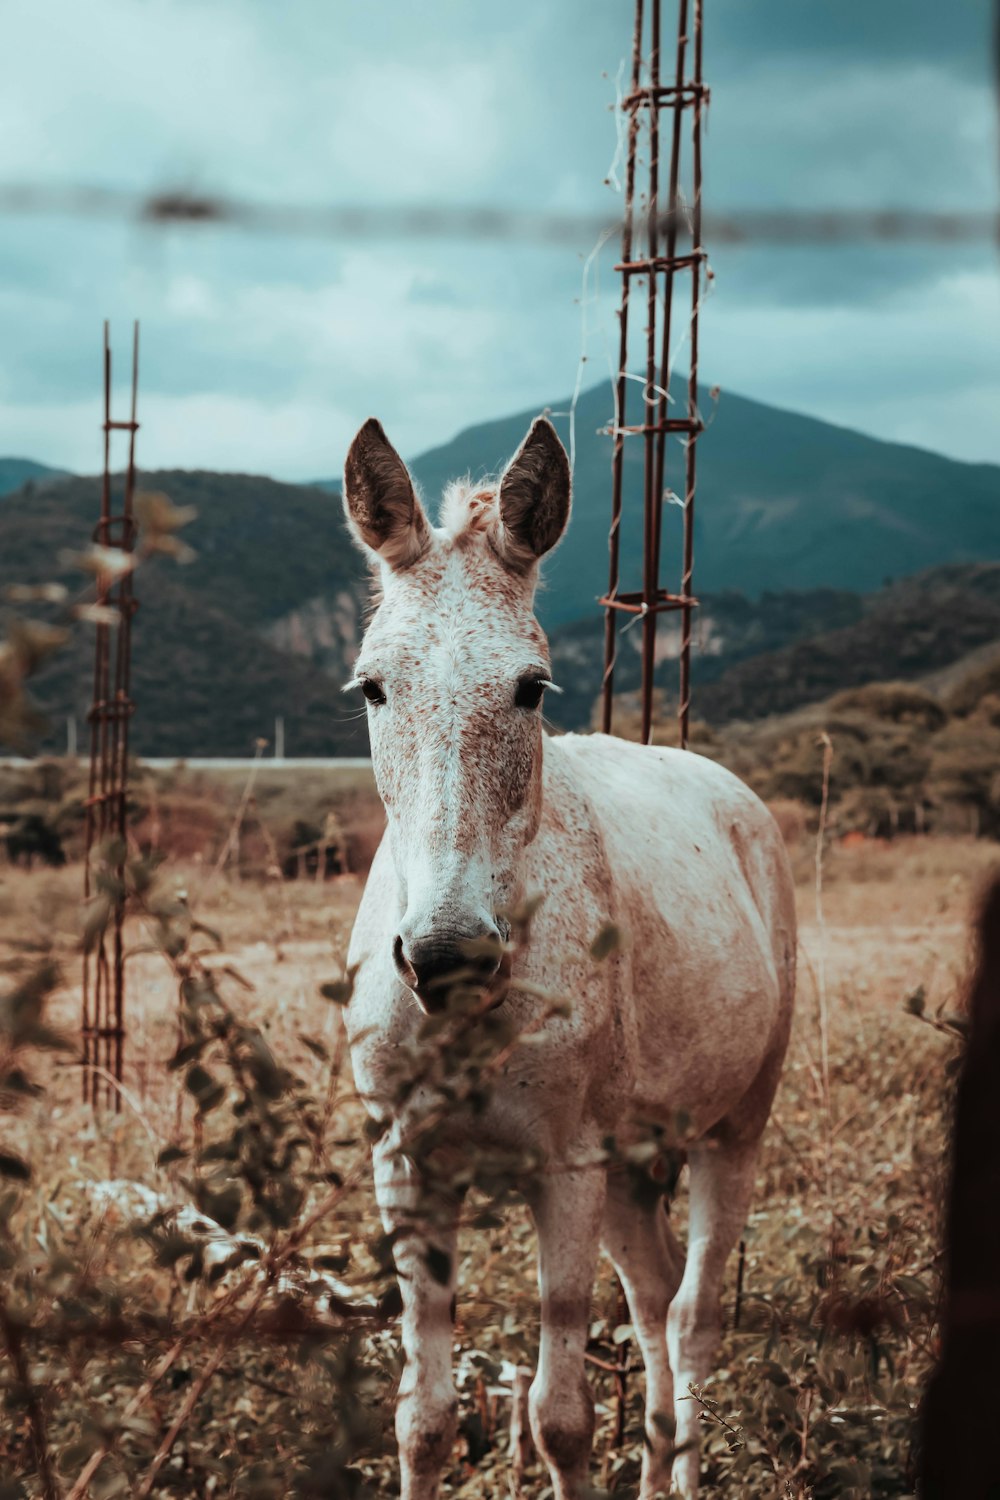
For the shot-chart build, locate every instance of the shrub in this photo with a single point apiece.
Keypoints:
(895, 702)
(968, 694)
(963, 771)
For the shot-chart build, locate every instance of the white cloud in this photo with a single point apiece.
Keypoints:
(265, 352)
(305, 100)
(919, 367)
(804, 134)
(305, 365)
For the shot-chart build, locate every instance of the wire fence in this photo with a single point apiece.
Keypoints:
(182, 208)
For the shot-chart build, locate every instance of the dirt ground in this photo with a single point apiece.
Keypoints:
(895, 917)
(892, 920)
(857, 1155)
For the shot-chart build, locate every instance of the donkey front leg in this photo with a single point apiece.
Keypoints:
(424, 1249)
(638, 1237)
(722, 1178)
(568, 1209)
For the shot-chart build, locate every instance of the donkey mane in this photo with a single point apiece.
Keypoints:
(469, 508)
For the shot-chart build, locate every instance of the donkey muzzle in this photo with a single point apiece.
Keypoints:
(437, 965)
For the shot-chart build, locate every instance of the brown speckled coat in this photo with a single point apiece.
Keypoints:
(690, 1017)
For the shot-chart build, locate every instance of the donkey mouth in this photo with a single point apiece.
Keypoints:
(468, 974)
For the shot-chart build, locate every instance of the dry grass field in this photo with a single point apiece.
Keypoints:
(818, 1383)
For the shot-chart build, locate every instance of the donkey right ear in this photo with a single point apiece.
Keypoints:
(380, 503)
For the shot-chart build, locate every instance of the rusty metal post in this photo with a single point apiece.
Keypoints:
(660, 272)
(621, 387)
(103, 1011)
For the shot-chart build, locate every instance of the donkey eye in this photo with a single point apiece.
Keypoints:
(372, 691)
(529, 692)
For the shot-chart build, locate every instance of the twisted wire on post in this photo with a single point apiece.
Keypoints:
(660, 271)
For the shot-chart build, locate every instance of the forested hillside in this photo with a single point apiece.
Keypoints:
(784, 501)
(799, 526)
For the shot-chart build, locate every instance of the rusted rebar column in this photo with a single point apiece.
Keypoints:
(660, 271)
(621, 388)
(694, 415)
(103, 1006)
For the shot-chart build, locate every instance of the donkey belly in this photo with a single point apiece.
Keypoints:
(701, 887)
(707, 1022)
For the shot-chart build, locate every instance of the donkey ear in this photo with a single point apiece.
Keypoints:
(380, 503)
(534, 498)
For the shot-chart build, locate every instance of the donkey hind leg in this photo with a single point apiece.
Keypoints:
(567, 1208)
(721, 1184)
(424, 1250)
(650, 1263)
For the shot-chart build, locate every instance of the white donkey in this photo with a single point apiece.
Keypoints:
(692, 1015)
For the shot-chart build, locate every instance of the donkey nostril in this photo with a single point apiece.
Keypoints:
(484, 963)
(404, 968)
(437, 965)
(436, 962)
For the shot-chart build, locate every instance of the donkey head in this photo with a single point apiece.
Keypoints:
(454, 666)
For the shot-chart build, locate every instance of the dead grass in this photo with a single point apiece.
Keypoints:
(282, 799)
(895, 923)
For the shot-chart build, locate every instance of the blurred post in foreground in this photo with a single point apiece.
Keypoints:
(958, 1456)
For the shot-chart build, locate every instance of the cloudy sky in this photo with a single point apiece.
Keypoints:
(263, 352)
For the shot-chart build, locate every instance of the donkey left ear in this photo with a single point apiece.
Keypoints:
(380, 502)
(534, 498)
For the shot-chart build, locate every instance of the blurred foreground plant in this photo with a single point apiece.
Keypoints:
(243, 1269)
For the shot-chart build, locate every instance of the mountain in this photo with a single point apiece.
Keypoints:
(207, 675)
(753, 661)
(906, 756)
(798, 524)
(908, 630)
(784, 502)
(727, 629)
(17, 471)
